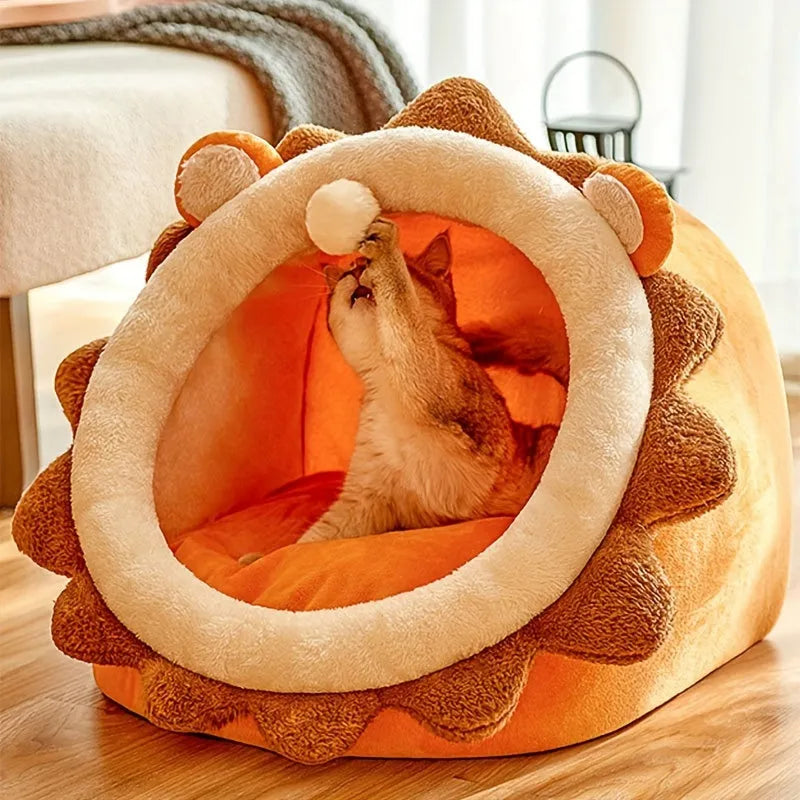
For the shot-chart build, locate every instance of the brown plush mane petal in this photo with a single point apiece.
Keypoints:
(303, 138)
(467, 106)
(619, 609)
(472, 698)
(685, 464)
(43, 528)
(180, 700)
(687, 324)
(167, 241)
(313, 728)
(83, 627)
(72, 378)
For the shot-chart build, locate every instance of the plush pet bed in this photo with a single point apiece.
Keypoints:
(219, 418)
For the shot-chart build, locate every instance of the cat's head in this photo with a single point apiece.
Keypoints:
(352, 307)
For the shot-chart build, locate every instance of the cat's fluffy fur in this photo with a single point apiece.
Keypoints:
(435, 441)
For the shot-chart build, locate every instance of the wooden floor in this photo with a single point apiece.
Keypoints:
(734, 736)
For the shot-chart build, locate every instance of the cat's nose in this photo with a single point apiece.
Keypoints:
(358, 268)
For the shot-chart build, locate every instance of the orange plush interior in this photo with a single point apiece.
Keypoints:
(258, 439)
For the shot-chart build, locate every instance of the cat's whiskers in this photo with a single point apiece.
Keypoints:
(312, 295)
(314, 270)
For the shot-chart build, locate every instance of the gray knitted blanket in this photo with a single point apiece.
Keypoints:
(319, 61)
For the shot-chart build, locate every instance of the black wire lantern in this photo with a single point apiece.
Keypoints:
(605, 135)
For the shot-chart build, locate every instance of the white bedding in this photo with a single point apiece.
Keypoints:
(90, 136)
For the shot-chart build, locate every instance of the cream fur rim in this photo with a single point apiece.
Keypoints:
(405, 636)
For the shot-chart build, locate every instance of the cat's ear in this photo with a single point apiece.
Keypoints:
(437, 257)
(332, 273)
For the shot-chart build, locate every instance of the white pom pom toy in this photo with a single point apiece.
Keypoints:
(338, 215)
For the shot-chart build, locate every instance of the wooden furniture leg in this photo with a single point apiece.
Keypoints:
(19, 446)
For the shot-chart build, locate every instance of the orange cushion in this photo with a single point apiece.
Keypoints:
(322, 574)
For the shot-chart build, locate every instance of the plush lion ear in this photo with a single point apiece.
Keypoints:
(216, 168)
(637, 208)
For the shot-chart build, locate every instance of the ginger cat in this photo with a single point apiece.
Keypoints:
(435, 442)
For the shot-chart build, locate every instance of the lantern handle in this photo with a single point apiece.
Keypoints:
(590, 54)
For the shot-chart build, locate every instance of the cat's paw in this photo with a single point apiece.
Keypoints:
(379, 240)
(316, 534)
(386, 273)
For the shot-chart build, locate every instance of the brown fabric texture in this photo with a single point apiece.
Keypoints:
(72, 378)
(619, 609)
(180, 700)
(304, 138)
(313, 729)
(617, 612)
(464, 105)
(43, 527)
(84, 628)
(688, 326)
(473, 698)
(167, 241)
(679, 471)
(306, 728)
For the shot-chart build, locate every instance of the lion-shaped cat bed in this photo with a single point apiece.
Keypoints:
(219, 420)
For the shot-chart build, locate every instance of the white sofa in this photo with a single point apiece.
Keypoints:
(90, 136)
